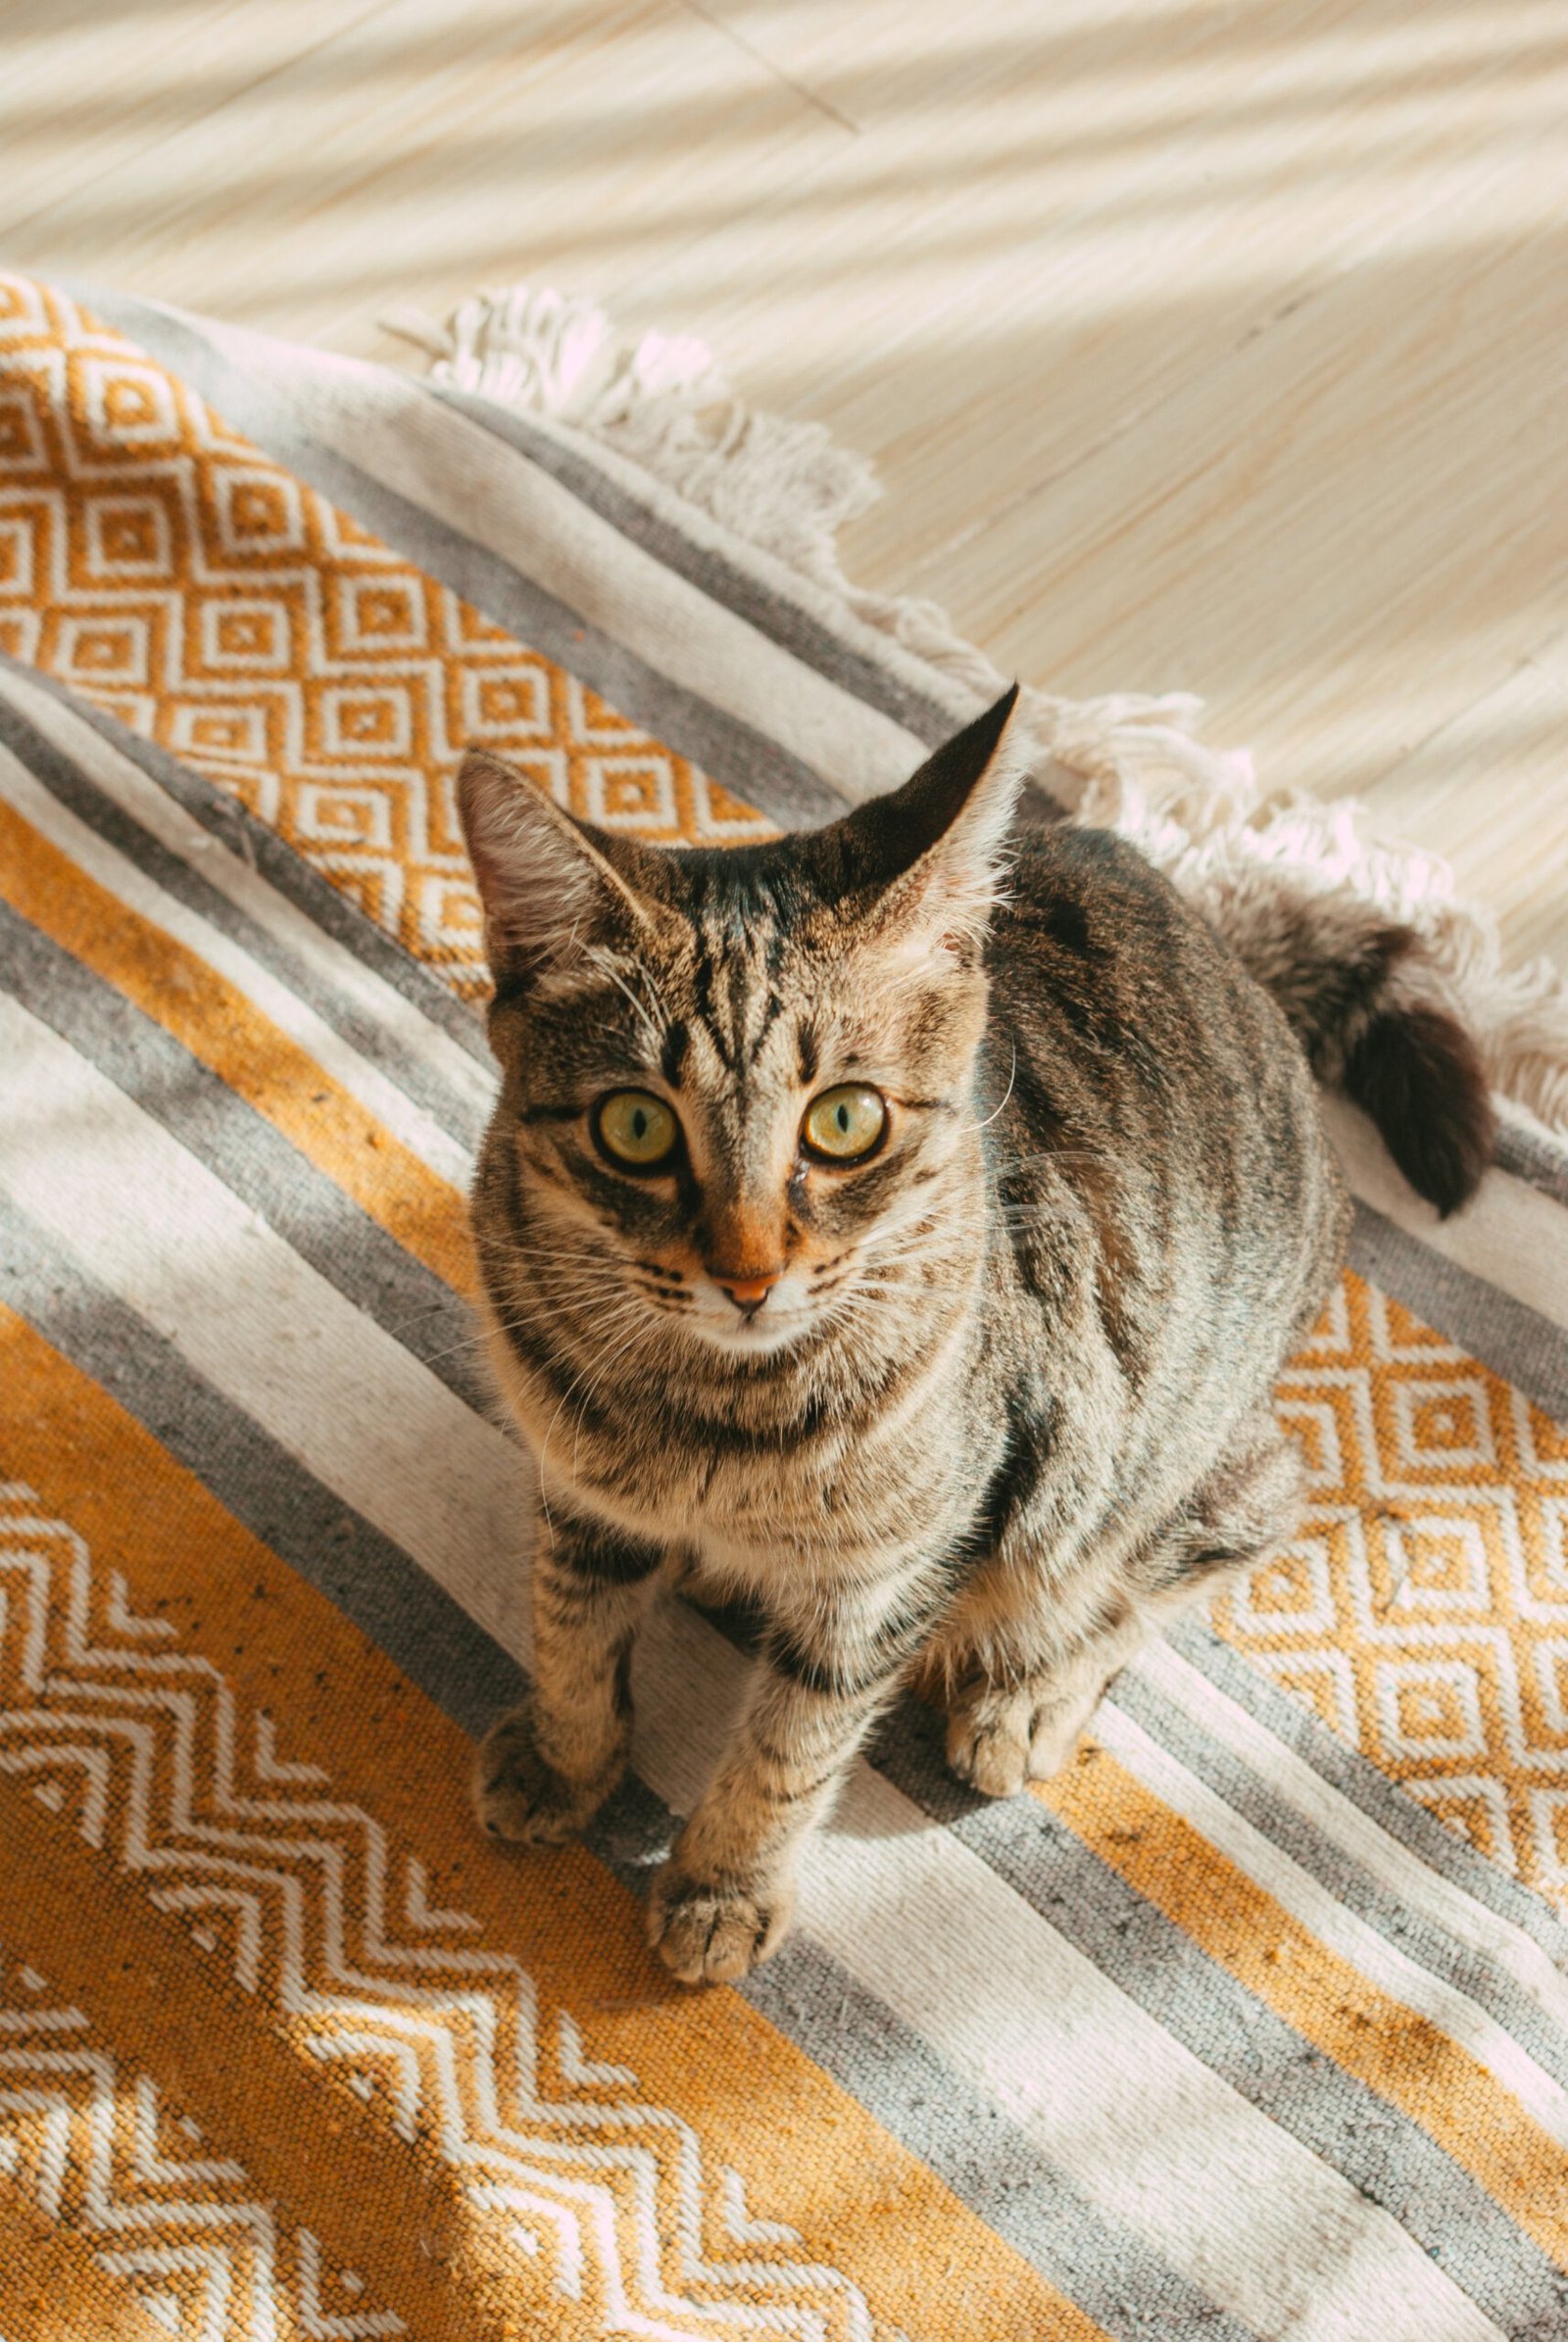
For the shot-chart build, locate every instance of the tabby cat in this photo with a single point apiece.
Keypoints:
(900, 1228)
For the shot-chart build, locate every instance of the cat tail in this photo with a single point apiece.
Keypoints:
(1377, 1019)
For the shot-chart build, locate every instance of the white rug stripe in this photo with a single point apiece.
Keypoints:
(1339, 1930)
(1255, 2219)
(1159, 2140)
(165, 818)
(1295, 1781)
(160, 1231)
(119, 876)
(1512, 1236)
(1096, 2084)
(418, 448)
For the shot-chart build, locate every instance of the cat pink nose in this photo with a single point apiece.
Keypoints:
(746, 1289)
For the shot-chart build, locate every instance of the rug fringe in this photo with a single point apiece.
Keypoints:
(1130, 763)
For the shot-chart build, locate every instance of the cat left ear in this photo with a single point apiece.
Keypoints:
(548, 887)
(937, 848)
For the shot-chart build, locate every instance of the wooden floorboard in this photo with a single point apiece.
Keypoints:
(1200, 347)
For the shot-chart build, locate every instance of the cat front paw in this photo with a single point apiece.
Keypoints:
(518, 1794)
(708, 1934)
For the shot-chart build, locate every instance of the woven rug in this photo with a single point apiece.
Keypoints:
(1253, 2025)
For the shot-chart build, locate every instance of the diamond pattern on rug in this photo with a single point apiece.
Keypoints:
(1422, 1612)
(158, 564)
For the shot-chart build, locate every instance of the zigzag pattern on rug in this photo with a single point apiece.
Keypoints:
(304, 1901)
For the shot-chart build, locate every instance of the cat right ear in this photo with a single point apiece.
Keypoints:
(935, 851)
(546, 889)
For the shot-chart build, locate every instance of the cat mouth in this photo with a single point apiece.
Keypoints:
(754, 1334)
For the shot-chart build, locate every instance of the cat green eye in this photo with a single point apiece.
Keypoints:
(636, 1128)
(845, 1123)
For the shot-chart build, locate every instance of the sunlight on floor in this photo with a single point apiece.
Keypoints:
(1197, 347)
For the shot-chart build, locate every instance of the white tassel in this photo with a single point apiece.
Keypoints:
(661, 403)
(1126, 762)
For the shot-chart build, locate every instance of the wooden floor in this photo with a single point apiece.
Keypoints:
(1212, 344)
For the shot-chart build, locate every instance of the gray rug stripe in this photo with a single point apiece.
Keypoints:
(1516, 1342)
(899, 2079)
(1349, 1882)
(252, 1157)
(972, 2147)
(1538, 1157)
(734, 589)
(1365, 1784)
(65, 780)
(735, 752)
(255, 842)
(906, 1749)
(1389, 2158)
(986, 2162)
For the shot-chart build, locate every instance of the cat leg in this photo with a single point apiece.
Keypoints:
(1022, 1723)
(722, 1901)
(1249, 1503)
(543, 1770)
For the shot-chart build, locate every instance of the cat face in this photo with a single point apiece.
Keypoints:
(738, 1079)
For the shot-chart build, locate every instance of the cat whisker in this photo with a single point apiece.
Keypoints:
(630, 1343)
(451, 1350)
(606, 967)
(558, 1256)
(581, 1294)
(587, 1304)
(571, 1387)
(911, 1287)
(1012, 1076)
(475, 1342)
(412, 1317)
(661, 1010)
(1058, 1154)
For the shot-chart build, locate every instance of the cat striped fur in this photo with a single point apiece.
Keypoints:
(975, 1405)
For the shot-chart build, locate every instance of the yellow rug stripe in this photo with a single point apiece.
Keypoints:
(52, 2288)
(212, 1019)
(1395, 2052)
(820, 2161)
